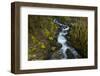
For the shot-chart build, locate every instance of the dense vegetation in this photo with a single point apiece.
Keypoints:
(42, 36)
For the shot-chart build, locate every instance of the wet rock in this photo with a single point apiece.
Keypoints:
(57, 55)
(69, 54)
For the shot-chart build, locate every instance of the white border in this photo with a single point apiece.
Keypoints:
(25, 64)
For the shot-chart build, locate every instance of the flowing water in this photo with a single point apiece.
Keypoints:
(63, 41)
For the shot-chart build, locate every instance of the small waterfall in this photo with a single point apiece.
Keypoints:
(62, 40)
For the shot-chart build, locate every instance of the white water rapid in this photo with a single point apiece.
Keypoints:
(63, 41)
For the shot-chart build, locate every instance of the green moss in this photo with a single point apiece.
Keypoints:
(47, 33)
(43, 46)
(50, 38)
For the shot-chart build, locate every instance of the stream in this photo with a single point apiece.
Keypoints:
(63, 31)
